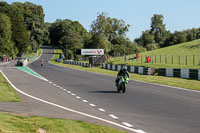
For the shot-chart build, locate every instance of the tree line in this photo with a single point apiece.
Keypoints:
(23, 30)
(158, 37)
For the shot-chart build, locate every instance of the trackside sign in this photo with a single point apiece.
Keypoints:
(92, 51)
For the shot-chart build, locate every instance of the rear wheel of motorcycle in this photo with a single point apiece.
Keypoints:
(118, 89)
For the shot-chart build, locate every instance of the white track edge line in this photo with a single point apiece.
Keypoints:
(71, 110)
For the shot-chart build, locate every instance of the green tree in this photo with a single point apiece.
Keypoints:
(191, 34)
(82, 32)
(20, 36)
(108, 31)
(100, 42)
(34, 21)
(72, 42)
(6, 44)
(157, 27)
(178, 37)
(101, 26)
(118, 50)
(62, 27)
(108, 27)
(147, 38)
(168, 40)
(70, 35)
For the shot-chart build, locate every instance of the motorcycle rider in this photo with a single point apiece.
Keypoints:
(123, 72)
(42, 63)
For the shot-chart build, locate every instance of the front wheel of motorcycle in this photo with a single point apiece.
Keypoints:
(124, 88)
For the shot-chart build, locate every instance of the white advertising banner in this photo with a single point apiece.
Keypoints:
(92, 51)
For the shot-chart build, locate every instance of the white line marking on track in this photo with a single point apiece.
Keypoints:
(113, 116)
(73, 94)
(85, 101)
(64, 89)
(179, 88)
(103, 110)
(68, 91)
(78, 97)
(71, 110)
(50, 82)
(92, 105)
(54, 84)
(127, 124)
(68, 109)
(61, 88)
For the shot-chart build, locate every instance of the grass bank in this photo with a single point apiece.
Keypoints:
(170, 81)
(28, 124)
(36, 55)
(7, 93)
(185, 55)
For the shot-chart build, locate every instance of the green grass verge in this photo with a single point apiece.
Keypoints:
(32, 55)
(7, 93)
(29, 124)
(168, 57)
(170, 81)
(36, 56)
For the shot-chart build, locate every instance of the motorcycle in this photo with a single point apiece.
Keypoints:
(122, 84)
(42, 63)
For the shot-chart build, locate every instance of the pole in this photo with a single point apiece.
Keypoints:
(152, 55)
(199, 47)
(66, 51)
(124, 54)
(152, 50)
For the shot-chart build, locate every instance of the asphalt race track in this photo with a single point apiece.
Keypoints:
(147, 107)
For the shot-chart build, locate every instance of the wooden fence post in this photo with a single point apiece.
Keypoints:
(186, 60)
(193, 60)
(160, 59)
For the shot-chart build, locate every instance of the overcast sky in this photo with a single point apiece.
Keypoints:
(178, 14)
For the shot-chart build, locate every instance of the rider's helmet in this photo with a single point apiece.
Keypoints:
(124, 68)
(42, 60)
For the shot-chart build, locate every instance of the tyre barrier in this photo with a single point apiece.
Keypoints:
(76, 63)
(131, 69)
(168, 72)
